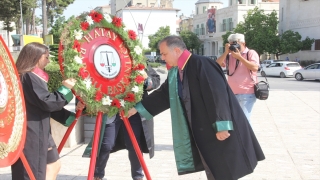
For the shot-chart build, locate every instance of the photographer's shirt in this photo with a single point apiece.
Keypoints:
(241, 82)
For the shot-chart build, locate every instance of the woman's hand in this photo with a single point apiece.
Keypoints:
(80, 106)
(69, 83)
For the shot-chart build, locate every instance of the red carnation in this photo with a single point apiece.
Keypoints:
(132, 34)
(96, 17)
(76, 45)
(139, 79)
(91, 13)
(84, 25)
(130, 97)
(116, 103)
(117, 21)
(139, 67)
(83, 73)
(98, 96)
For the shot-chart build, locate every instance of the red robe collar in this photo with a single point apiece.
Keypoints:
(183, 59)
(41, 74)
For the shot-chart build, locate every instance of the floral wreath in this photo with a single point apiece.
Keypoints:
(72, 65)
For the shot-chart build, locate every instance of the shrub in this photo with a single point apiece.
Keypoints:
(154, 65)
(307, 62)
(54, 48)
(55, 77)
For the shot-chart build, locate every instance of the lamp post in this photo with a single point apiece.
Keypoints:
(21, 18)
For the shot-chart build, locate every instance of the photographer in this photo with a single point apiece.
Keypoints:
(242, 65)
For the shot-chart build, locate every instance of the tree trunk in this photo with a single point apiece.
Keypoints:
(44, 18)
(27, 26)
(33, 23)
(8, 33)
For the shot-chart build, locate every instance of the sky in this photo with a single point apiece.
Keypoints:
(186, 6)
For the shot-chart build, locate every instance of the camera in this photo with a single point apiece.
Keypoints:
(234, 46)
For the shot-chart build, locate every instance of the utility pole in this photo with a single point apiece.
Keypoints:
(22, 28)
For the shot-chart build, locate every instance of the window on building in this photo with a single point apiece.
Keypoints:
(230, 24)
(252, 1)
(197, 10)
(224, 25)
(242, 1)
(204, 8)
(202, 30)
(230, 2)
(317, 44)
(281, 14)
(152, 4)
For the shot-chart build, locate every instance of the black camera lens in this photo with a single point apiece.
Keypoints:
(234, 46)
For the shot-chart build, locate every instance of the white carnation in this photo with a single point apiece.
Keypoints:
(135, 89)
(108, 18)
(89, 20)
(138, 50)
(106, 101)
(77, 34)
(122, 102)
(78, 59)
(88, 83)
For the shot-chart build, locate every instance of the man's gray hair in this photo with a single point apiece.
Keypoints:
(236, 37)
(173, 41)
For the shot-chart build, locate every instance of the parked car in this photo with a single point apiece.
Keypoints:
(266, 63)
(280, 68)
(310, 72)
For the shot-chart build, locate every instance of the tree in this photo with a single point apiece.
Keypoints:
(8, 14)
(260, 30)
(289, 42)
(57, 28)
(307, 43)
(191, 40)
(160, 34)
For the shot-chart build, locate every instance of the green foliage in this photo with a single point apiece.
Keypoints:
(307, 43)
(54, 48)
(289, 42)
(191, 40)
(56, 8)
(56, 29)
(307, 62)
(55, 77)
(260, 30)
(154, 65)
(158, 36)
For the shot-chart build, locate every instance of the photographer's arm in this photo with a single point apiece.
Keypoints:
(221, 59)
(251, 65)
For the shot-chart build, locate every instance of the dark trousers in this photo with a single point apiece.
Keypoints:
(108, 142)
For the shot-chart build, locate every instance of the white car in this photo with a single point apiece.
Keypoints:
(280, 68)
(310, 72)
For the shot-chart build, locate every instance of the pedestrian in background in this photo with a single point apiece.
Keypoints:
(116, 137)
(242, 66)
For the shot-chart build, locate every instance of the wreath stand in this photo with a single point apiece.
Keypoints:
(95, 142)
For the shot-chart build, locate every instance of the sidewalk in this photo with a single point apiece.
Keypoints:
(287, 126)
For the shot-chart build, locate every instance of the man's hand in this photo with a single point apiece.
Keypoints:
(132, 112)
(80, 106)
(69, 83)
(222, 135)
(237, 54)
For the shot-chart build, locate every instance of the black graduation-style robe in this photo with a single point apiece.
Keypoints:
(40, 105)
(207, 100)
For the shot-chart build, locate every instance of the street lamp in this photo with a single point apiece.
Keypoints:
(21, 18)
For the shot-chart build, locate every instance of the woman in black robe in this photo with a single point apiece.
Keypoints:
(40, 148)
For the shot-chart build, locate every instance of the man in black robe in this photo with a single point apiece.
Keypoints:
(210, 130)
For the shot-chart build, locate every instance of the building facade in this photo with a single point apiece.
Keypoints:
(301, 16)
(143, 16)
(211, 20)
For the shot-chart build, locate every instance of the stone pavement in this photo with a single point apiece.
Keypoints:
(286, 125)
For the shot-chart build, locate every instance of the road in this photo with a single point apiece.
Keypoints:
(291, 84)
(279, 84)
